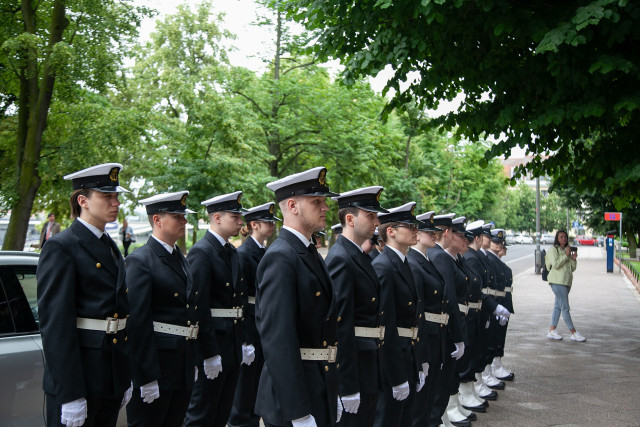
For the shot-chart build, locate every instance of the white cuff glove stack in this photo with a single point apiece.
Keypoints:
(307, 421)
(127, 396)
(401, 392)
(212, 367)
(248, 354)
(503, 320)
(339, 411)
(150, 392)
(351, 403)
(501, 311)
(74, 414)
(421, 379)
(459, 351)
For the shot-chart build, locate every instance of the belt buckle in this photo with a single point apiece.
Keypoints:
(193, 332)
(112, 325)
(414, 333)
(333, 352)
(446, 318)
(381, 333)
(238, 312)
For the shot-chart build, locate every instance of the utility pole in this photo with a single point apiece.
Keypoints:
(538, 254)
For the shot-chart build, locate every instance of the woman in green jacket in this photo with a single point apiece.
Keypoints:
(561, 263)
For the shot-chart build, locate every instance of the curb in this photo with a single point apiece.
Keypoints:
(627, 273)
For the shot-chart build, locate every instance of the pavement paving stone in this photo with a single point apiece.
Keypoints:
(567, 383)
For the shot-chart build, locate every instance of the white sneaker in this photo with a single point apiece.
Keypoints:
(577, 336)
(554, 335)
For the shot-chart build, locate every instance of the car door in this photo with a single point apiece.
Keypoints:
(21, 357)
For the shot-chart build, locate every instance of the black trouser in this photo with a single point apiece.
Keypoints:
(211, 400)
(100, 412)
(244, 402)
(467, 364)
(391, 412)
(166, 411)
(126, 245)
(366, 415)
(425, 397)
(443, 386)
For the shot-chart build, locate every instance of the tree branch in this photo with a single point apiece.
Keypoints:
(248, 98)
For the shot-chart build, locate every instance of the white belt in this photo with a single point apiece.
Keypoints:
(251, 300)
(364, 332)
(321, 354)
(494, 292)
(475, 305)
(463, 308)
(408, 332)
(436, 318)
(191, 332)
(110, 325)
(508, 289)
(236, 313)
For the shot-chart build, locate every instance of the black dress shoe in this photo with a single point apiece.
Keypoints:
(492, 396)
(463, 423)
(499, 386)
(479, 408)
(509, 377)
(485, 403)
(472, 417)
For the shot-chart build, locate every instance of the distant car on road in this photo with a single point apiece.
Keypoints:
(600, 241)
(523, 239)
(585, 240)
(547, 239)
(510, 238)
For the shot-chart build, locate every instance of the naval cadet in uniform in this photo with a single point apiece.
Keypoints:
(361, 328)
(164, 323)
(403, 373)
(218, 275)
(83, 308)
(296, 311)
(260, 223)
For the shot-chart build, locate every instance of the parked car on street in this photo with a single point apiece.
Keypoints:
(600, 241)
(585, 240)
(523, 239)
(510, 238)
(547, 239)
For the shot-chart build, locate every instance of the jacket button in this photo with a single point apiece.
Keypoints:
(318, 293)
(335, 343)
(419, 316)
(196, 292)
(187, 305)
(373, 299)
(115, 315)
(381, 313)
(324, 343)
(410, 303)
(188, 322)
(326, 368)
(175, 295)
(126, 290)
(195, 308)
(98, 265)
(235, 321)
(115, 341)
(126, 339)
(234, 294)
(226, 284)
(413, 343)
(339, 318)
(241, 279)
(337, 365)
(435, 292)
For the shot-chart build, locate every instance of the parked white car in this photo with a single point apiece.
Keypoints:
(547, 239)
(523, 239)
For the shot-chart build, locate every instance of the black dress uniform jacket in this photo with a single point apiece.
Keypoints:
(162, 290)
(79, 277)
(358, 292)
(295, 308)
(477, 262)
(242, 412)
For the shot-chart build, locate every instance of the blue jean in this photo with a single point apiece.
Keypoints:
(561, 305)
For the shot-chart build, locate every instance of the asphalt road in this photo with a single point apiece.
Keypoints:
(520, 258)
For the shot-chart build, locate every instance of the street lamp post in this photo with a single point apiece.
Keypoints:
(538, 254)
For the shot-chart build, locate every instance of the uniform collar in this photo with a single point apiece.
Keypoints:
(420, 252)
(164, 245)
(260, 245)
(95, 230)
(354, 243)
(400, 254)
(306, 242)
(217, 236)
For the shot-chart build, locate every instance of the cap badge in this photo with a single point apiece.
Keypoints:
(183, 200)
(113, 174)
(431, 219)
(413, 208)
(378, 196)
(239, 197)
(500, 234)
(271, 208)
(321, 177)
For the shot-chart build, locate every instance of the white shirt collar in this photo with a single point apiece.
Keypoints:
(164, 245)
(217, 236)
(306, 242)
(483, 251)
(491, 252)
(260, 245)
(420, 252)
(452, 256)
(92, 228)
(400, 254)
(354, 243)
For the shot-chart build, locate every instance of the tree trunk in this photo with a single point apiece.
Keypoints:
(32, 123)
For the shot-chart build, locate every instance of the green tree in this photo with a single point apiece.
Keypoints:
(520, 208)
(51, 50)
(559, 78)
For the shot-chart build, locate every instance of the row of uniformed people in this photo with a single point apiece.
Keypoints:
(85, 302)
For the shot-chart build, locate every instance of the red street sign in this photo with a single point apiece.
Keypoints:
(612, 216)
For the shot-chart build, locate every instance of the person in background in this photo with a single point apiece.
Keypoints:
(561, 263)
(126, 234)
(49, 229)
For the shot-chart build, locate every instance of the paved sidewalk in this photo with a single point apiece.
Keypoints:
(566, 383)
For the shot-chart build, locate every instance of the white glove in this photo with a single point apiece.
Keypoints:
(307, 421)
(401, 392)
(421, 378)
(340, 409)
(459, 350)
(351, 403)
(212, 367)
(425, 369)
(248, 354)
(501, 311)
(74, 414)
(150, 392)
(127, 396)
(195, 376)
(503, 320)
(486, 326)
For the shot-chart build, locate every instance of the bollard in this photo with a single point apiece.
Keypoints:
(539, 260)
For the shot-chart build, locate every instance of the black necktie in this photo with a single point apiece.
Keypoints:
(262, 251)
(177, 260)
(105, 239)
